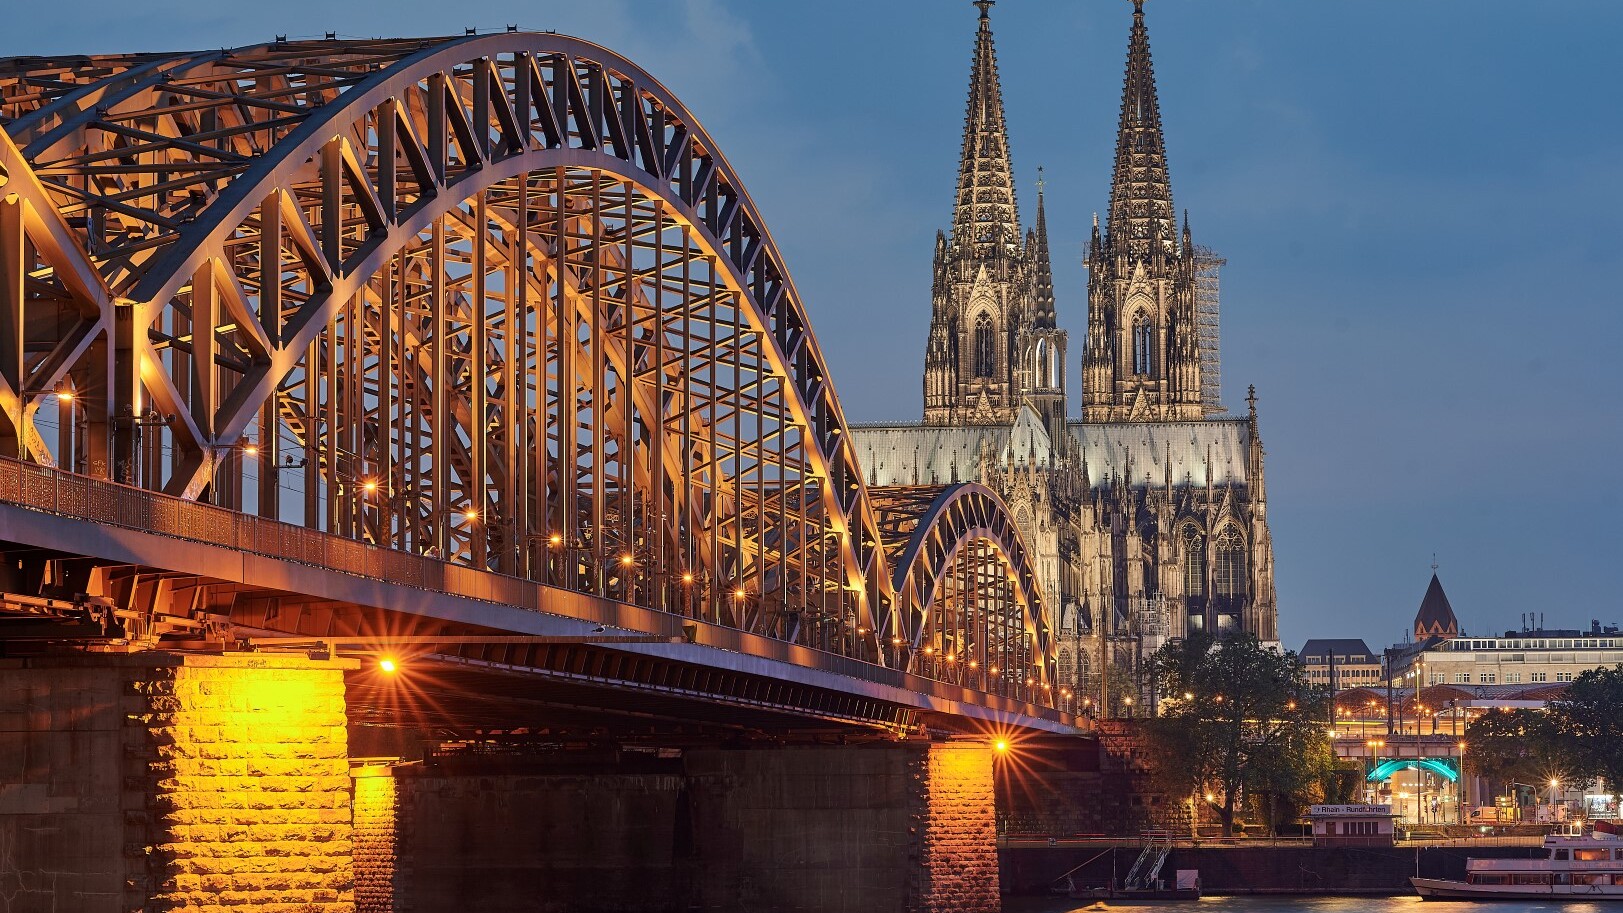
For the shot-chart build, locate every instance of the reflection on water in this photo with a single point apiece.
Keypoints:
(1300, 905)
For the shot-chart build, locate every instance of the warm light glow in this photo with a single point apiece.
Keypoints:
(1210, 798)
(687, 576)
(556, 540)
(862, 630)
(1001, 745)
(370, 485)
(1554, 783)
(1462, 746)
(1128, 701)
(895, 641)
(1218, 699)
(64, 395)
(738, 593)
(627, 560)
(387, 664)
(972, 664)
(251, 449)
(929, 651)
(993, 670)
(1290, 705)
(1188, 696)
(471, 515)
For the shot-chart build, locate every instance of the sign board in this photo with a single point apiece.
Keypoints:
(1322, 811)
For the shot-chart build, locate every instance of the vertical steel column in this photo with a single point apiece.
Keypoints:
(627, 390)
(568, 463)
(480, 520)
(14, 267)
(438, 377)
(658, 521)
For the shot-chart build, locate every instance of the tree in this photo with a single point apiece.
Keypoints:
(1515, 745)
(1588, 725)
(1238, 717)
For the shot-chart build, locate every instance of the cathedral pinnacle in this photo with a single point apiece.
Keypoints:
(1141, 213)
(1044, 289)
(985, 212)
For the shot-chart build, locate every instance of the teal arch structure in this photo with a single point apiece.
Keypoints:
(1447, 768)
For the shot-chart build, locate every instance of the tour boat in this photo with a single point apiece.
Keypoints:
(1583, 867)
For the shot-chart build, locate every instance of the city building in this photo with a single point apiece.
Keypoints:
(1341, 663)
(1444, 654)
(1148, 512)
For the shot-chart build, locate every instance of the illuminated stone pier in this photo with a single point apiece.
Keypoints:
(839, 829)
(159, 781)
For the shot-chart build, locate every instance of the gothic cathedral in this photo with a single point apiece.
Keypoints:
(1148, 514)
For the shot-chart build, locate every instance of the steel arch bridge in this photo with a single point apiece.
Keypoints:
(497, 301)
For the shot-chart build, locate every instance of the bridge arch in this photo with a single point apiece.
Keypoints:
(1447, 768)
(967, 587)
(498, 299)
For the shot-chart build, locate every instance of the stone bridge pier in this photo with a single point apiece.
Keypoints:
(182, 781)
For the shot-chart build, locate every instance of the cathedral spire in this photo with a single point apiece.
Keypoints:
(985, 211)
(1043, 298)
(1141, 213)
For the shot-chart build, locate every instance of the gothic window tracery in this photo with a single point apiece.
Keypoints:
(985, 346)
(1143, 347)
(1193, 548)
(1230, 572)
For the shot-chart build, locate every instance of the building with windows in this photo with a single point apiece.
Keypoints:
(1443, 654)
(1530, 657)
(1148, 512)
(1341, 663)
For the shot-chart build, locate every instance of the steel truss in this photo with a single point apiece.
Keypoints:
(498, 300)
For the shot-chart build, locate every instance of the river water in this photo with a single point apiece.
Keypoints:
(1304, 905)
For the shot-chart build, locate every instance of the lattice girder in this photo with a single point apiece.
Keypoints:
(496, 298)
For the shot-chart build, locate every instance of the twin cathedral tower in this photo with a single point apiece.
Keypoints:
(1148, 514)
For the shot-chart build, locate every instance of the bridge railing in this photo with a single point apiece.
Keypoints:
(59, 492)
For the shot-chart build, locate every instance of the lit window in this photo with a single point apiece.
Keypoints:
(1194, 562)
(1229, 575)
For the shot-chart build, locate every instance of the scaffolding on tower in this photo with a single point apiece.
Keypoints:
(1207, 294)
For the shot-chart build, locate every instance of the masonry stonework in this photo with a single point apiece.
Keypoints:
(157, 782)
(957, 831)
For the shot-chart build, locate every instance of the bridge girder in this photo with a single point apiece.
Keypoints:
(498, 299)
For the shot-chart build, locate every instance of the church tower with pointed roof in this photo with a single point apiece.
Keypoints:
(1142, 360)
(1436, 616)
(993, 344)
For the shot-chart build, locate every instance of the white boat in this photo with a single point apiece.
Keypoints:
(1581, 867)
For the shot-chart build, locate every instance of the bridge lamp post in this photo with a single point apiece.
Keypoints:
(66, 399)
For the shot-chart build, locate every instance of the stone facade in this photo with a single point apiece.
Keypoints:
(161, 782)
(957, 830)
(1148, 516)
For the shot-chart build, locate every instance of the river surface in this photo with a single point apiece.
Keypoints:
(1305, 905)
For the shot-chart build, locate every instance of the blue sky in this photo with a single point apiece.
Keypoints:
(1420, 204)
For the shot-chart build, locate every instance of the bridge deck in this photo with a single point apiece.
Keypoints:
(45, 508)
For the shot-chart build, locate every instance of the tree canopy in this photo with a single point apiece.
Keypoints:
(1238, 718)
(1577, 739)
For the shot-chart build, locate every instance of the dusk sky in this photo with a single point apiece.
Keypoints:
(1421, 205)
